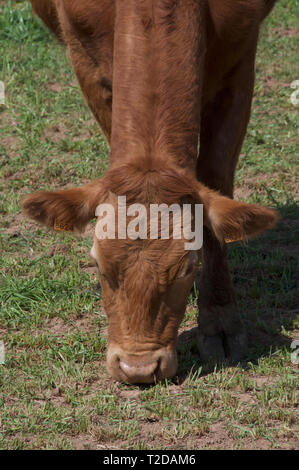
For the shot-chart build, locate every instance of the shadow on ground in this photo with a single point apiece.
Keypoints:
(266, 277)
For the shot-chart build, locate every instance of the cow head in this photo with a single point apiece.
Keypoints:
(146, 282)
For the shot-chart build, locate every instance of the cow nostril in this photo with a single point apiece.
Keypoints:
(143, 368)
(141, 372)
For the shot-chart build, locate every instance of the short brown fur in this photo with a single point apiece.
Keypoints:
(158, 75)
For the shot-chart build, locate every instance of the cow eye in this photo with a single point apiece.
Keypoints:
(98, 266)
(102, 274)
(93, 255)
(191, 265)
(190, 269)
(100, 271)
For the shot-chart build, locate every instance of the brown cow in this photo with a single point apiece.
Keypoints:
(177, 70)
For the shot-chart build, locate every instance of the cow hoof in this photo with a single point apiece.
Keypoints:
(237, 346)
(222, 347)
(211, 348)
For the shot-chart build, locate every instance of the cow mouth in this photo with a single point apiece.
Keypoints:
(149, 369)
(142, 373)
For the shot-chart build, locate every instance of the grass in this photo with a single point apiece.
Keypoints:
(54, 389)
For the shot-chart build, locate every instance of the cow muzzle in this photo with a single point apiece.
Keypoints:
(143, 368)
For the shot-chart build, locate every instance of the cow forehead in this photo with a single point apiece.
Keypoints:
(161, 253)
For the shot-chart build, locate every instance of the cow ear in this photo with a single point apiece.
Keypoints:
(233, 220)
(65, 210)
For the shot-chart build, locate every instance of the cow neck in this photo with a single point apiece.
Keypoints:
(157, 78)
